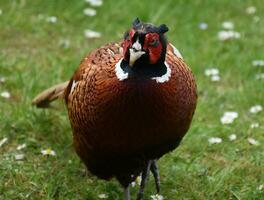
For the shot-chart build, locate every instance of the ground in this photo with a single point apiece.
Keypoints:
(37, 51)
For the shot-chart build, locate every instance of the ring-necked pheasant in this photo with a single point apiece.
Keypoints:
(129, 103)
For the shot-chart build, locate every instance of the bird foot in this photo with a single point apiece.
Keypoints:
(127, 193)
(153, 167)
(155, 171)
(144, 178)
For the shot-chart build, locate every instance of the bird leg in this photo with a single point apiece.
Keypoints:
(155, 171)
(127, 193)
(144, 178)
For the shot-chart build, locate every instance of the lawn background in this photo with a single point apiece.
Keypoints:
(33, 57)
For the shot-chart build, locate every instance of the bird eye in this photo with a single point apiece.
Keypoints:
(154, 43)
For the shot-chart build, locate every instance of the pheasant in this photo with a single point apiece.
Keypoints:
(129, 103)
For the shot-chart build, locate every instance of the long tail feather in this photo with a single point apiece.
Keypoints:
(44, 99)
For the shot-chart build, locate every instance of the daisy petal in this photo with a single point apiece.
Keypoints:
(5, 95)
(227, 25)
(215, 78)
(48, 152)
(258, 63)
(92, 34)
(203, 26)
(19, 156)
(261, 187)
(95, 3)
(232, 137)
(52, 19)
(254, 125)
(214, 140)
(260, 76)
(251, 10)
(156, 197)
(3, 141)
(228, 117)
(253, 141)
(211, 72)
(255, 109)
(22, 146)
(102, 196)
(89, 12)
(2, 79)
(228, 35)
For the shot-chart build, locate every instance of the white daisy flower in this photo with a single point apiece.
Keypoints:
(21, 146)
(253, 141)
(5, 94)
(254, 125)
(251, 10)
(102, 196)
(92, 34)
(215, 140)
(156, 197)
(261, 187)
(255, 109)
(137, 181)
(227, 120)
(3, 141)
(2, 79)
(215, 78)
(95, 3)
(211, 72)
(258, 63)
(48, 152)
(260, 76)
(228, 117)
(232, 114)
(203, 26)
(52, 19)
(19, 156)
(227, 25)
(228, 35)
(89, 12)
(232, 137)
(1, 12)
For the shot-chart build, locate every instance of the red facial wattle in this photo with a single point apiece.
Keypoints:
(154, 50)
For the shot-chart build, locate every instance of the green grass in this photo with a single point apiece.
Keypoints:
(32, 59)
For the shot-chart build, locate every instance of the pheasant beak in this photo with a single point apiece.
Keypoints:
(135, 53)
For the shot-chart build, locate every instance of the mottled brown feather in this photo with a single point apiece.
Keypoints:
(119, 125)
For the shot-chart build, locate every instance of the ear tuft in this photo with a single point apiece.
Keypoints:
(136, 23)
(163, 29)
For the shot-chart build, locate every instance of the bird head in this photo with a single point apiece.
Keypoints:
(145, 43)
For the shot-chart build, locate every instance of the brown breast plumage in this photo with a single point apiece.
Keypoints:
(118, 123)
